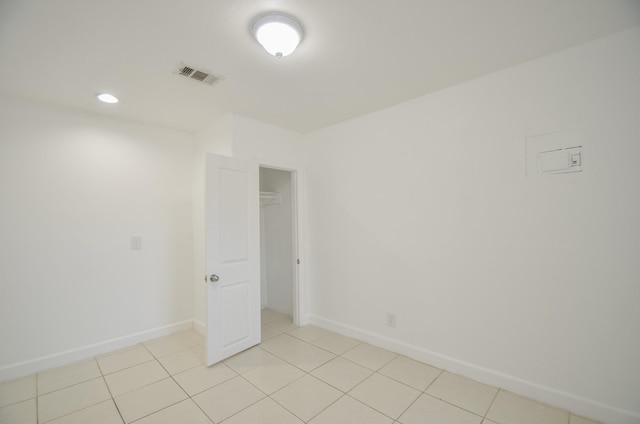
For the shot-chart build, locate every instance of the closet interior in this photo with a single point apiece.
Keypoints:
(277, 240)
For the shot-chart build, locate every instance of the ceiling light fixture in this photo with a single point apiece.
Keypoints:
(107, 98)
(279, 34)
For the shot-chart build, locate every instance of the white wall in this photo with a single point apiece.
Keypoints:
(530, 283)
(277, 242)
(267, 144)
(74, 188)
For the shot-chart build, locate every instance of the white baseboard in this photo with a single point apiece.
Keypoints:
(575, 404)
(199, 326)
(59, 359)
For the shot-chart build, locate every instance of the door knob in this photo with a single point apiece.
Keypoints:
(213, 278)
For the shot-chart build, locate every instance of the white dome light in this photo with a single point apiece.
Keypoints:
(278, 34)
(107, 98)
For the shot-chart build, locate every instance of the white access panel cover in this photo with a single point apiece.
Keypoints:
(560, 161)
(553, 153)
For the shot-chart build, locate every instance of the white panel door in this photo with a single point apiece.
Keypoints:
(232, 225)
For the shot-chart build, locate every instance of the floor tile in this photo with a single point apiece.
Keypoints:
(124, 359)
(463, 392)
(308, 357)
(183, 412)
(265, 411)
(249, 359)
(201, 378)
(297, 369)
(369, 356)
(197, 337)
(17, 390)
(71, 399)
(309, 333)
(307, 397)
(24, 412)
(385, 395)
(574, 419)
(336, 343)
(269, 315)
(410, 372)
(269, 333)
(282, 344)
(59, 378)
(282, 325)
(149, 399)
(428, 409)
(133, 378)
(349, 411)
(170, 344)
(228, 398)
(342, 374)
(102, 413)
(509, 408)
(273, 375)
(183, 360)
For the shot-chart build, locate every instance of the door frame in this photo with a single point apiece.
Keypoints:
(298, 218)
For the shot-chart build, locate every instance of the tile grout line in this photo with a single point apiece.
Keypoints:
(305, 373)
(377, 371)
(113, 399)
(454, 405)
(433, 381)
(374, 371)
(248, 406)
(156, 358)
(128, 368)
(183, 389)
(342, 394)
(375, 409)
(325, 408)
(37, 399)
(81, 409)
(307, 344)
(147, 385)
(482, 417)
(491, 404)
(408, 406)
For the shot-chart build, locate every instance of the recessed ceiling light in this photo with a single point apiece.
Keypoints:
(279, 34)
(107, 98)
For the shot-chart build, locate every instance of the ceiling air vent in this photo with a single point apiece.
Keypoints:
(201, 75)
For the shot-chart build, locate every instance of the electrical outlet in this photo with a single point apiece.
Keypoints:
(391, 319)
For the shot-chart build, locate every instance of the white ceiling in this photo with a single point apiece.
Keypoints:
(357, 55)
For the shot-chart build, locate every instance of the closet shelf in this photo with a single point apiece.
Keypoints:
(270, 198)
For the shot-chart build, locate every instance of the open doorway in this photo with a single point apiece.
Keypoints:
(278, 242)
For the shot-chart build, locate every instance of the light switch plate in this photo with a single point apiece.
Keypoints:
(136, 242)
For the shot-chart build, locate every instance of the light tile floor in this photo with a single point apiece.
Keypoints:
(296, 375)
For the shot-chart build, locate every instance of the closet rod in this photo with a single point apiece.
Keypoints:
(270, 198)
